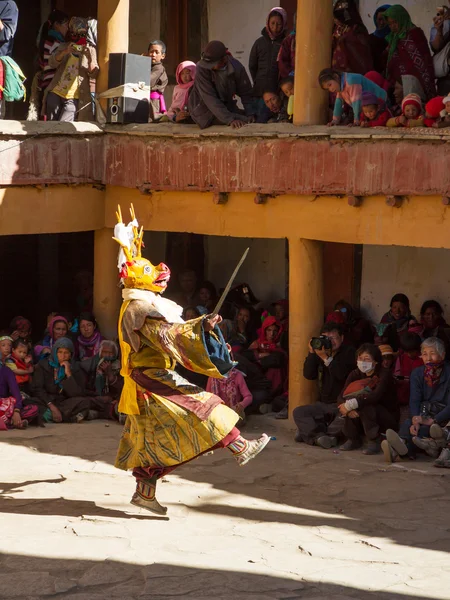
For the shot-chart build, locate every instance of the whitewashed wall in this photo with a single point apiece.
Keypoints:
(421, 11)
(420, 273)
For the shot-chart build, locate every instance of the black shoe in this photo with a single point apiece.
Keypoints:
(350, 445)
(373, 447)
(326, 441)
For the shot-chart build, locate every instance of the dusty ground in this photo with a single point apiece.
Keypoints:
(296, 523)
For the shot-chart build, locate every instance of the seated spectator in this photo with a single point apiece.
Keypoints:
(408, 359)
(348, 88)
(408, 52)
(57, 328)
(89, 340)
(207, 296)
(103, 379)
(351, 49)
(434, 324)
(59, 385)
(263, 63)
(242, 333)
(188, 295)
(275, 109)
(377, 39)
(429, 404)
(232, 390)
(411, 113)
(13, 415)
(368, 401)
(444, 116)
(439, 39)
(191, 312)
(6, 343)
(287, 88)
(399, 316)
(270, 356)
(75, 64)
(357, 329)
(20, 328)
(286, 55)
(317, 423)
(20, 363)
(433, 110)
(185, 75)
(387, 356)
(219, 79)
(158, 79)
(373, 113)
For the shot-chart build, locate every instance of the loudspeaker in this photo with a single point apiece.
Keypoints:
(128, 68)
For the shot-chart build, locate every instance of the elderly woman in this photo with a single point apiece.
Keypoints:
(351, 43)
(90, 338)
(429, 404)
(59, 384)
(408, 52)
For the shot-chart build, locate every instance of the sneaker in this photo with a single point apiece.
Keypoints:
(440, 434)
(152, 505)
(429, 445)
(350, 445)
(92, 415)
(253, 449)
(373, 447)
(326, 441)
(283, 414)
(444, 459)
(396, 442)
(390, 455)
(78, 418)
(265, 408)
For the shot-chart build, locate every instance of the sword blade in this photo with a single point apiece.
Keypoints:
(229, 284)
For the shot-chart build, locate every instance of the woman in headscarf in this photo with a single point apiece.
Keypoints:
(88, 342)
(378, 41)
(75, 63)
(270, 355)
(263, 64)
(58, 384)
(351, 43)
(58, 327)
(408, 52)
(185, 76)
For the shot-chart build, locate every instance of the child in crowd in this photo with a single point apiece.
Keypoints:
(190, 312)
(444, 113)
(5, 348)
(411, 113)
(20, 362)
(408, 359)
(349, 88)
(388, 356)
(433, 110)
(158, 80)
(232, 390)
(20, 328)
(287, 87)
(373, 113)
(185, 76)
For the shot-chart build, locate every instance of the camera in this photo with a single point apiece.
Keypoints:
(321, 343)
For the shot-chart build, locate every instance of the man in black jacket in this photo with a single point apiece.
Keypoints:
(317, 423)
(218, 80)
(9, 15)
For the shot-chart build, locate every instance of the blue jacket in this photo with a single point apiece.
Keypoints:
(438, 396)
(9, 15)
(352, 87)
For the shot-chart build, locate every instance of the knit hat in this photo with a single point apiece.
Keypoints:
(434, 106)
(369, 98)
(385, 350)
(412, 100)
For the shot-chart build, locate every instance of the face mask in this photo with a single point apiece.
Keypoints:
(365, 366)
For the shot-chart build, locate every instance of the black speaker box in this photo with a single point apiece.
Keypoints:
(128, 68)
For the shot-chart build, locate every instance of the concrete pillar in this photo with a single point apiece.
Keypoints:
(107, 296)
(113, 19)
(305, 314)
(313, 53)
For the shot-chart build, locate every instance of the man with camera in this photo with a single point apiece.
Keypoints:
(332, 361)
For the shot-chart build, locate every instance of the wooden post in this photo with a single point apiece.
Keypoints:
(107, 297)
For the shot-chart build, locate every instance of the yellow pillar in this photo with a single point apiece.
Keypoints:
(306, 308)
(107, 296)
(113, 18)
(313, 53)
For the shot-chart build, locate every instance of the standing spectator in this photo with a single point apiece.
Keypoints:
(263, 63)
(219, 79)
(9, 15)
(53, 34)
(158, 79)
(185, 76)
(439, 39)
(378, 41)
(408, 51)
(286, 56)
(351, 43)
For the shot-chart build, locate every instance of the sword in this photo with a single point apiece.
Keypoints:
(229, 284)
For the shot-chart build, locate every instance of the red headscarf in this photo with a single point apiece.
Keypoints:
(262, 340)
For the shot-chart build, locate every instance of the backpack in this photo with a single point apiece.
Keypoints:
(14, 89)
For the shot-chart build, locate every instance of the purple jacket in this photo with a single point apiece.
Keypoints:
(9, 386)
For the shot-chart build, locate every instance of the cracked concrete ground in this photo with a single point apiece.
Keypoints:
(296, 523)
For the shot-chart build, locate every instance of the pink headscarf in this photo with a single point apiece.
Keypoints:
(283, 15)
(181, 90)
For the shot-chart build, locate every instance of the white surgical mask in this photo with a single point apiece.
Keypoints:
(365, 366)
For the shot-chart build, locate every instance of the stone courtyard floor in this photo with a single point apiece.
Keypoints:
(296, 523)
